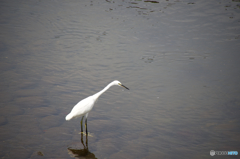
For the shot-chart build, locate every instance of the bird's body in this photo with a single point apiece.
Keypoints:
(83, 107)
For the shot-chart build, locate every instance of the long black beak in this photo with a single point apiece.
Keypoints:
(124, 86)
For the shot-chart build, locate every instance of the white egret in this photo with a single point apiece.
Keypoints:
(83, 107)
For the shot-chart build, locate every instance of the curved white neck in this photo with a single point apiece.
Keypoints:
(102, 91)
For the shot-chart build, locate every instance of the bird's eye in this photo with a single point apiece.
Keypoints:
(119, 84)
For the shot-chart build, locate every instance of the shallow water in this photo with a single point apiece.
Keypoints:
(180, 60)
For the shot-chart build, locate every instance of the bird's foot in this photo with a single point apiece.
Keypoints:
(89, 134)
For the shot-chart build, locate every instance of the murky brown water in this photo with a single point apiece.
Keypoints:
(180, 60)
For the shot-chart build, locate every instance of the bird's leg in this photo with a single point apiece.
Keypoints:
(82, 140)
(81, 125)
(86, 126)
(86, 123)
(87, 141)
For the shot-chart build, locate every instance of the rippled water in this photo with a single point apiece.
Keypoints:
(179, 58)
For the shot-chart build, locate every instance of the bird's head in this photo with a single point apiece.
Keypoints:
(119, 84)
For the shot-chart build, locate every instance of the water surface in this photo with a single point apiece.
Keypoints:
(180, 60)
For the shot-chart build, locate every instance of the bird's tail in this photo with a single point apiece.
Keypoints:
(68, 117)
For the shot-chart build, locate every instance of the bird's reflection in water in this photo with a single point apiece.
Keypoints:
(82, 153)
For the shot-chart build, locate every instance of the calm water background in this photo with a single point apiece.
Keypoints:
(179, 58)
